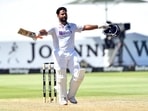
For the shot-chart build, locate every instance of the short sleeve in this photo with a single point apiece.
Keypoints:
(50, 31)
(79, 28)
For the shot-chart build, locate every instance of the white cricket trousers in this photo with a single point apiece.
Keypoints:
(66, 59)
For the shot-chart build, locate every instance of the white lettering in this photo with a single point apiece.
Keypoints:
(113, 69)
(15, 71)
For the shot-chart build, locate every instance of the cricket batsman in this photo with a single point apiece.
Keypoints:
(65, 56)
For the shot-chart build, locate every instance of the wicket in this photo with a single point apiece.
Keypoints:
(49, 69)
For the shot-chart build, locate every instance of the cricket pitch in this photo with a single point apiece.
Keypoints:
(90, 104)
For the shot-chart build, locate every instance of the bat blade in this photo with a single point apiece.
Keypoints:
(27, 33)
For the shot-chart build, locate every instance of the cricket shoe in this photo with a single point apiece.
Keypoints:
(64, 101)
(73, 100)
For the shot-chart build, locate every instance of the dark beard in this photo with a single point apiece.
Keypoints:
(63, 20)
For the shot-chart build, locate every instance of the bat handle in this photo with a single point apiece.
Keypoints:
(34, 38)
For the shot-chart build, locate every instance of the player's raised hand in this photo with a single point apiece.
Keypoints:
(104, 26)
(43, 32)
(38, 37)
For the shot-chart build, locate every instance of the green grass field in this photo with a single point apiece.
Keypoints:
(108, 91)
(111, 84)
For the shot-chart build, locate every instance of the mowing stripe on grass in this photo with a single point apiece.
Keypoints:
(100, 84)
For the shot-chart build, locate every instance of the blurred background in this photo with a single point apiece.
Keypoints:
(128, 52)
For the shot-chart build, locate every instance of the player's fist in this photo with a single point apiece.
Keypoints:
(43, 32)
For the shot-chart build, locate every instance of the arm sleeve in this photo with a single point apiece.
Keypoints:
(79, 28)
(50, 31)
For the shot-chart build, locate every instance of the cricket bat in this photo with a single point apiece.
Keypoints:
(27, 33)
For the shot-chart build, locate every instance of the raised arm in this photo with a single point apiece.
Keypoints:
(43, 32)
(92, 27)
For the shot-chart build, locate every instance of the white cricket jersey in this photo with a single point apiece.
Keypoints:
(63, 36)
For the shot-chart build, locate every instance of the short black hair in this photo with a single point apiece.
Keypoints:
(59, 9)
